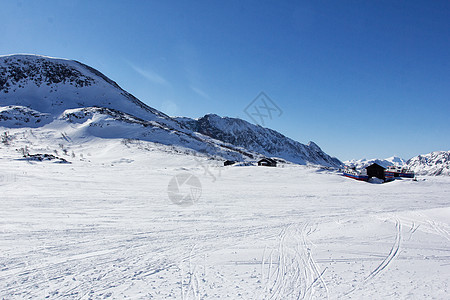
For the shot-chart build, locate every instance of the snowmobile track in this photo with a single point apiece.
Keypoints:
(393, 253)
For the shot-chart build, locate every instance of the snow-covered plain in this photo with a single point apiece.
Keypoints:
(104, 227)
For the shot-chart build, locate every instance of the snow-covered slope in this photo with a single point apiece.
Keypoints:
(68, 96)
(434, 163)
(259, 139)
(390, 161)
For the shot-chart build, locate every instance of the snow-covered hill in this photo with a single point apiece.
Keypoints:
(259, 139)
(362, 163)
(434, 163)
(68, 96)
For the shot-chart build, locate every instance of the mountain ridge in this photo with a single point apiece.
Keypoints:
(259, 139)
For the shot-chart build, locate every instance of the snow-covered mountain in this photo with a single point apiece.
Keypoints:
(71, 97)
(259, 139)
(434, 163)
(362, 163)
(51, 85)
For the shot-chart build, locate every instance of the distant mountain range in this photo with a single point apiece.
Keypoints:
(69, 96)
(434, 163)
(390, 161)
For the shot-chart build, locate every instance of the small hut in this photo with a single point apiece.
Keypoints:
(375, 170)
(267, 162)
(229, 163)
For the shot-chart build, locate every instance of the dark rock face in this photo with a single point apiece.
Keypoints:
(16, 72)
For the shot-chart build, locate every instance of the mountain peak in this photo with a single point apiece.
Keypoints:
(20, 70)
(314, 146)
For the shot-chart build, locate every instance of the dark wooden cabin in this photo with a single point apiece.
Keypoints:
(267, 162)
(229, 163)
(375, 170)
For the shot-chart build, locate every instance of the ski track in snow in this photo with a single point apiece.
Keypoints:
(292, 272)
(393, 253)
(440, 229)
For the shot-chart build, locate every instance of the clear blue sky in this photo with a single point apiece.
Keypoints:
(360, 78)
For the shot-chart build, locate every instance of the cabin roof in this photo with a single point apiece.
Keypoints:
(268, 159)
(375, 165)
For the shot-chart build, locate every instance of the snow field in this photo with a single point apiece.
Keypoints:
(104, 227)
